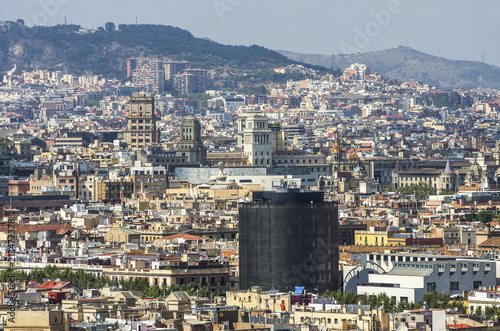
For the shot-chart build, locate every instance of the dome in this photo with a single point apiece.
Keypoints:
(476, 168)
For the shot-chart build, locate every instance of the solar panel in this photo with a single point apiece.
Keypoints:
(299, 290)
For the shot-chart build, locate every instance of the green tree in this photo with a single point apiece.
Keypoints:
(435, 299)
(386, 187)
(421, 190)
(109, 26)
(93, 103)
(471, 217)
(484, 217)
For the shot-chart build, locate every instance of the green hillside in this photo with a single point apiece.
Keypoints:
(105, 51)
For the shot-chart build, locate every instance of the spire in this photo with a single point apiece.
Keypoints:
(447, 169)
(336, 146)
(397, 167)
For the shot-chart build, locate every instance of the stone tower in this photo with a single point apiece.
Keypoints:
(141, 123)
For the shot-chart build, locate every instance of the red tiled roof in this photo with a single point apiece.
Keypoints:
(185, 236)
(51, 285)
(458, 326)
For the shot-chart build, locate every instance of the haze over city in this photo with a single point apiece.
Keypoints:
(460, 30)
(201, 166)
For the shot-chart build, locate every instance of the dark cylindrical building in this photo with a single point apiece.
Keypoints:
(288, 238)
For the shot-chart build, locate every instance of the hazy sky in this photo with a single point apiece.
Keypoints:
(455, 29)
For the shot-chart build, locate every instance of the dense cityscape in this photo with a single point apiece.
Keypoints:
(343, 200)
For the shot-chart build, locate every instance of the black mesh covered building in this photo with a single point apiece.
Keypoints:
(288, 238)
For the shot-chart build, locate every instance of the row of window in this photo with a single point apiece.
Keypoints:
(373, 257)
(168, 160)
(328, 320)
(376, 240)
(151, 187)
(118, 187)
(298, 161)
(413, 179)
(140, 133)
(454, 286)
(257, 153)
(147, 172)
(261, 161)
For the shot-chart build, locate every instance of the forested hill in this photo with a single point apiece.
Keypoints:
(105, 51)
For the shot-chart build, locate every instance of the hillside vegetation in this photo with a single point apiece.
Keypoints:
(407, 64)
(105, 51)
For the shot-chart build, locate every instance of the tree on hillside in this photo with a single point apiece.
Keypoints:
(110, 26)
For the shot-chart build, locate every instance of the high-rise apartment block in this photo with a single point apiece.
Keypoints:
(191, 81)
(141, 129)
(148, 73)
(184, 83)
(173, 68)
(200, 80)
(356, 72)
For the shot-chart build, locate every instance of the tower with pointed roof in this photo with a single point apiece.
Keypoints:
(336, 151)
(448, 179)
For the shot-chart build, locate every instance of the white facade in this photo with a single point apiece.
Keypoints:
(483, 298)
(232, 104)
(408, 281)
(256, 139)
